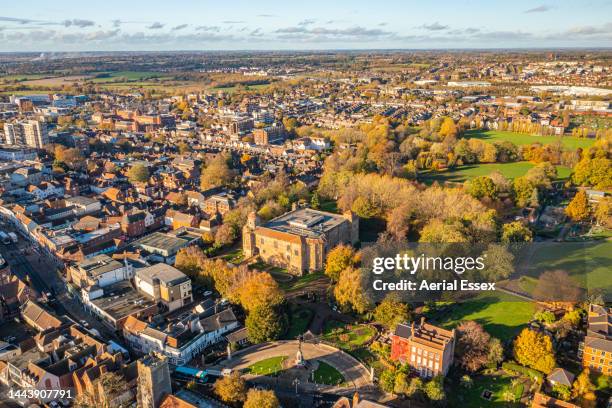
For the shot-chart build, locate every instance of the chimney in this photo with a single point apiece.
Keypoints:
(422, 321)
(355, 399)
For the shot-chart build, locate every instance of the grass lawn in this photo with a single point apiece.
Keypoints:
(269, 366)
(329, 206)
(347, 337)
(232, 89)
(496, 384)
(588, 263)
(502, 315)
(524, 139)
(300, 282)
(236, 256)
(299, 319)
(128, 75)
(326, 374)
(467, 172)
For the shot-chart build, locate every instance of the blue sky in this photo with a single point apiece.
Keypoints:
(286, 25)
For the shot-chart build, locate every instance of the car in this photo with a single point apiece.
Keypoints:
(84, 323)
(207, 293)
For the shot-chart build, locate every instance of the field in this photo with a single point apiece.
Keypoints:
(232, 89)
(326, 374)
(524, 139)
(468, 172)
(269, 366)
(129, 76)
(502, 315)
(497, 385)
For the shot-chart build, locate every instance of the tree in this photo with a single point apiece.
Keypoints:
(582, 384)
(466, 381)
(562, 392)
(364, 208)
(314, 201)
(534, 350)
(258, 290)
(231, 388)
(472, 346)
(448, 128)
(578, 208)
(500, 262)
(225, 235)
(438, 231)
(338, 259)
(496, 352)
(387, 380)
(545, 316)
(481, 187)
(217, 173)
(391, 311)
(264, 324)
(114, 387)
(603, 213)
(190, 261)
(516, 231)
(523, 191)
(350, 292)
(261, 399)
(434, 389)
(401, 383)
(138, 173)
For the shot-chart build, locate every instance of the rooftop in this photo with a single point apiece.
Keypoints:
(166, 274)
(121, 300)
(305, 222)
(159, 241)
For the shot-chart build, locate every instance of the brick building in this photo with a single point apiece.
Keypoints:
(596, 350)
(426, 348)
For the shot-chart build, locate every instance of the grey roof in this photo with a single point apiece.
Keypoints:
(99, 265)
(164, 242)
(561, 376)
(306, 222)
(218, 321)
(167, 274)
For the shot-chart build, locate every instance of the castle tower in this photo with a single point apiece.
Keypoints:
(249, 247)
(353, 219)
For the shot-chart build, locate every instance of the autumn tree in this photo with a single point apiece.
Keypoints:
(391, 311)
(472, 346)
(438, 231)
(216, 173)
(434, 389)
(482, 187)
(138, 173)
(259, 289)
(190, 260)
(338, 259)
(350, 292)
(583, 388)
(261, 399)
(225, 235)
(264, 323)
(578, 209)
(516, 231)
(603, 213)
(535, 350)
(448, 128)
(499, 262)
(231, 388)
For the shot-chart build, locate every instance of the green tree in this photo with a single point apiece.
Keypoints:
(391, 311)
(434, 389)
(314, 201)
(516, 232)
(523, 191)
(264, 324)
(387, 380)
(481, 187)
(562, 392)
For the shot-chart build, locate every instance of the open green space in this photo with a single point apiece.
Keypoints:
(326, 374)
(502, 315)
(347, 337)
(233, 88)
(468, 172)
(22, 77)
(127, 75)
(269, 366)
(525, 139)
(587, 263)
(503, 393)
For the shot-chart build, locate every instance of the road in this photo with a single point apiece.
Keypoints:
(351, 369)
(28, 260)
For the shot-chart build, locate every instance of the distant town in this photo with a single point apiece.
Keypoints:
(186, 229)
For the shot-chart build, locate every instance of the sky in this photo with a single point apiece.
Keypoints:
(135, 25)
